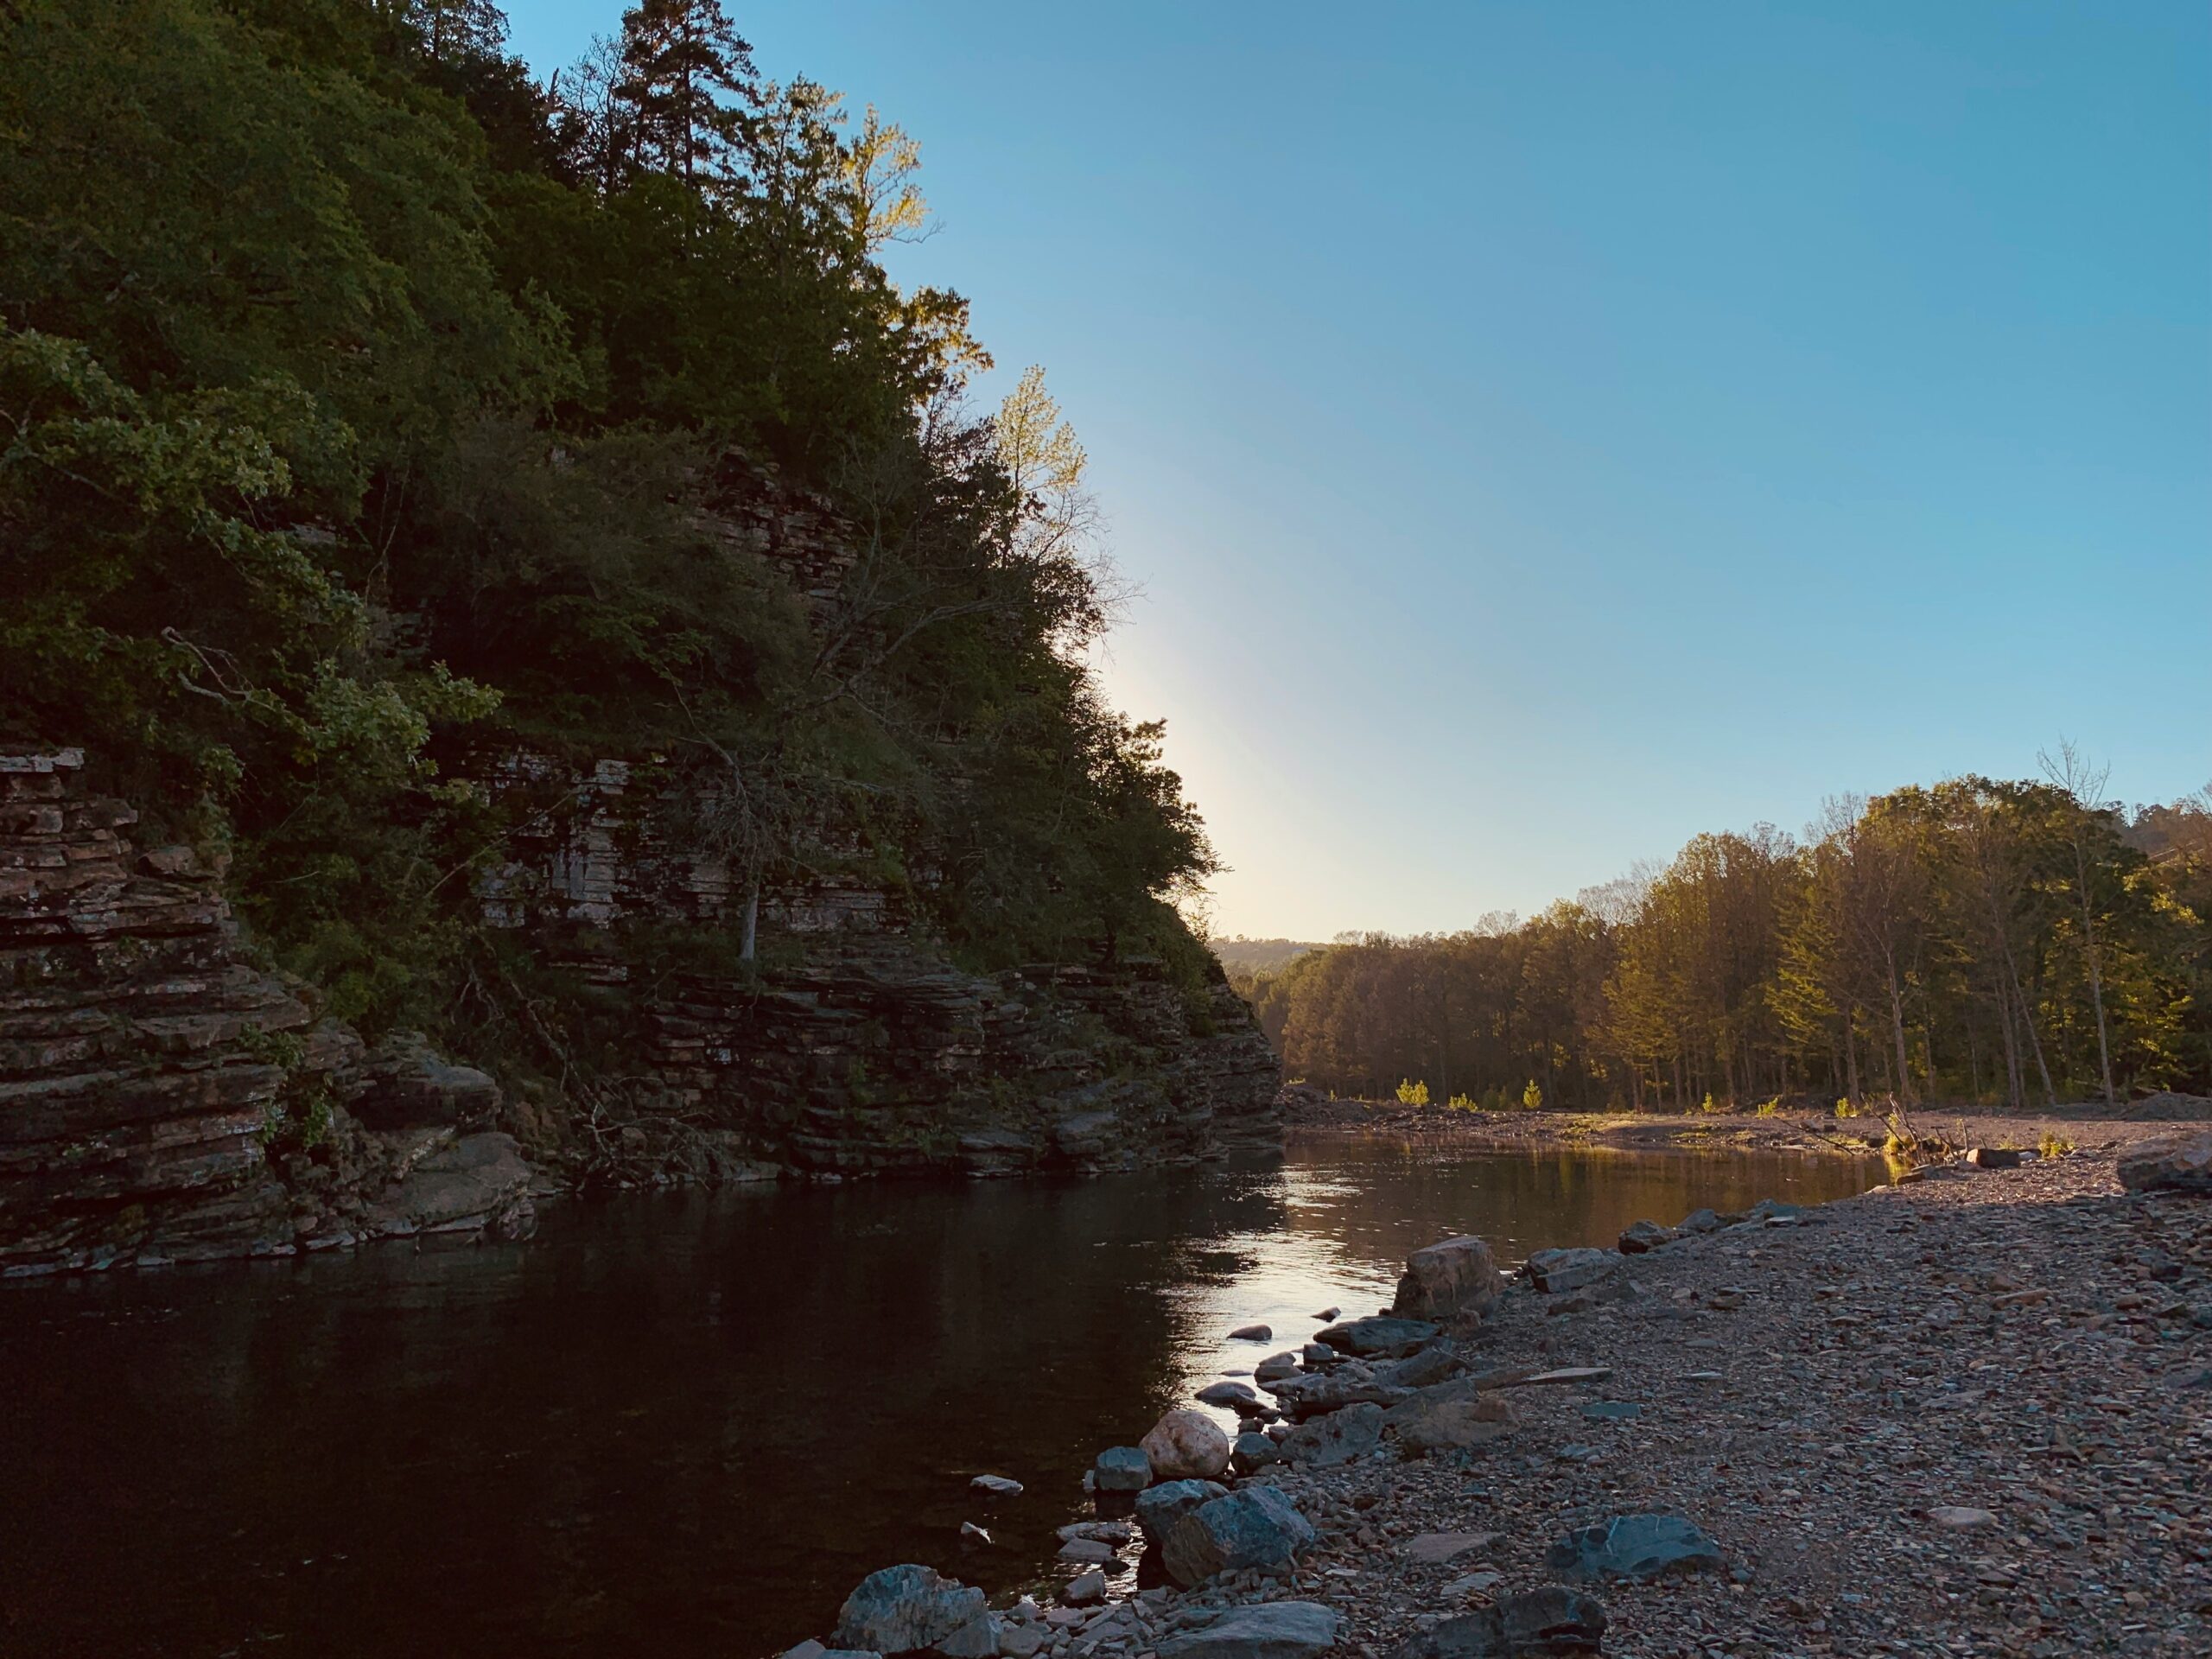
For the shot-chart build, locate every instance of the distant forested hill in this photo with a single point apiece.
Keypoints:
(1241, 957)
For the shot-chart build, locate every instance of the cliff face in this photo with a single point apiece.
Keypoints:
(163, 1100)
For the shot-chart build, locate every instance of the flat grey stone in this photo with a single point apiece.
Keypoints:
(1639, 1546)
(1268, 1629)
(1378, 1336)
(1552, 1271)
(1551, 1620)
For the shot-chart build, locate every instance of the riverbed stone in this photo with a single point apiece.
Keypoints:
(977, 1639)
(1252, 1333)
(1379, 1335)
(1571, 1270)
(1338, 1437)
(900, 1608)
(1160, 1507)
(1274, 1368)
(1449, 1279)
(1268, 1630)
(1020, 1641)
(1253, 1451)
(1639, 1237)
(1085, 1589)
(1421, 1369)
(1092, 1551)
(1186, 1445)
(1638, 1547)
(1236, 1396)
(1257, 1527)
(2170, 1163)
(1702, 1221)
(1551, 1620)
(995, 1486)
(1122, 1469)
(1448, 1417)
(1318, 1393)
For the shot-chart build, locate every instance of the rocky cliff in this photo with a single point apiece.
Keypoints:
(162, 1098)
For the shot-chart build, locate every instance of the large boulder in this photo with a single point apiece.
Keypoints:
(2180, 1162)
(1186, 1445)
(1340, 1437)
(1162, 1506)
(1556, 1270)
(1548, 1621)
(1257, 1527)
(1448, 1417)
(1639, 1237)
(1638, 1546)
(1452, 1277)
(1267, 1629)
(901, 1609)
(1379, 1336)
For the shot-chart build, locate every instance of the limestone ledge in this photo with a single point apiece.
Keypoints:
(145, 1066)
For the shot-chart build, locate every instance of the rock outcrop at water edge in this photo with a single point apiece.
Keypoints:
(163, 1099)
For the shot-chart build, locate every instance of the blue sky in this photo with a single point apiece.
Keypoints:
(1541, 432)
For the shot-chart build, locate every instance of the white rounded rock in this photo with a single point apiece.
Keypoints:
(1186, 1444)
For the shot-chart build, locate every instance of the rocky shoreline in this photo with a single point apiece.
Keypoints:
(1969, 1412)
(1310, 1114)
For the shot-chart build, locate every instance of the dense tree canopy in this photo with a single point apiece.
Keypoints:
(2002, 941)
(359, 396)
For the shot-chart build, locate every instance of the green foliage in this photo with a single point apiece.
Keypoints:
(1413, 1094)
(2053, 1145)
(1532, 1096)
(1770, 1107)
(367, 411)
(1847, 1108)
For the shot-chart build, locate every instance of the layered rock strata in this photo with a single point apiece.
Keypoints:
(162, 1099)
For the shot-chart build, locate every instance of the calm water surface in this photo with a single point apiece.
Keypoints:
(687, 1424)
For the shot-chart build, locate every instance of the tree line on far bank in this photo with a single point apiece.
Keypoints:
(2008, 943)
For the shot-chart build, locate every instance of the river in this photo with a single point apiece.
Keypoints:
(687, 1423)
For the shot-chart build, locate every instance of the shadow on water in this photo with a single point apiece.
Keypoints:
(687, 1423)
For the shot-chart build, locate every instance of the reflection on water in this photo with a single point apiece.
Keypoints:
(687, 1424)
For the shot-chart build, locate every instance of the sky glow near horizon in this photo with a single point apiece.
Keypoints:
(1542, 433)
